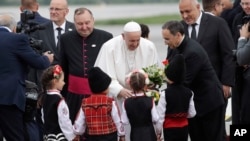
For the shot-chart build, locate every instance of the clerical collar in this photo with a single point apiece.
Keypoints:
(183, 37)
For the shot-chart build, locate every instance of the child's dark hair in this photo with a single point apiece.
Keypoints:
(137, 81)
(52, 72)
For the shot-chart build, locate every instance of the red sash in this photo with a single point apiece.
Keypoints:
(79, 85)
(175, 122)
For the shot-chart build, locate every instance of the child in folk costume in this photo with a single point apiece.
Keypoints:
(55, 112)
(176, 103)
(99, 113)
(139, 110)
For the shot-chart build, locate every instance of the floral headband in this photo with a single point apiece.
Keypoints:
(57, 70)
(147, 81)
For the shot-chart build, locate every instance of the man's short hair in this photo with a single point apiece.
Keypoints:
(174, 27)
(208, 5)
(28, 3)
(81, 10)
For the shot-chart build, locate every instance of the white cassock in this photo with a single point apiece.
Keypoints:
(117, 61)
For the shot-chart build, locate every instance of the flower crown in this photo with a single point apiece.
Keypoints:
(138, 71)
(57, 70)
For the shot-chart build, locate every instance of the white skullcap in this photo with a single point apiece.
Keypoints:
(132, 27)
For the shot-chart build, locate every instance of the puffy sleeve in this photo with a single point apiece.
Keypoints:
(80, 124)
(161, 109)
(117, 119)
(64, 121)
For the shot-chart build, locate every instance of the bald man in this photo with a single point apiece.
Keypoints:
(18, 55)
(50, 35)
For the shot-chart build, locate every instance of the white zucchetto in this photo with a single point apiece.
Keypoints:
(132, 27)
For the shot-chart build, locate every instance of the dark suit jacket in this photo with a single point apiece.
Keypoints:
(39, 19)
(15, 56)
(215, 37)
(200, 76)
(47, 36)
(48, 44)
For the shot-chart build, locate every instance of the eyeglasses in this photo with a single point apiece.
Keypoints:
(245, 3)
(56, 9)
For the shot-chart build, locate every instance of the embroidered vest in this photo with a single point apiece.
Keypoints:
(97, 109)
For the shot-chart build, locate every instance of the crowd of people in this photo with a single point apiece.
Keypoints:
(92, 87)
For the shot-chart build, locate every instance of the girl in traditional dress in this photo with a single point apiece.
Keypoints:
(55, 112)
(139, 110)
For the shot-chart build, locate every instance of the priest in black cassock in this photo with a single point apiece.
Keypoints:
(78, 52)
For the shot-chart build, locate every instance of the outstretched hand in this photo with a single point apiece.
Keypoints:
(125, 93)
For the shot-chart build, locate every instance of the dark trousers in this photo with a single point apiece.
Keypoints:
(11, 123)
(236, 95)
(176, 134)
(108, 137)
(209, 127)
(74, 102)
(32, 130)
(1, 136)
(245, 108)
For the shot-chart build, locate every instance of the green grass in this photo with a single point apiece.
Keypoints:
(159, 19)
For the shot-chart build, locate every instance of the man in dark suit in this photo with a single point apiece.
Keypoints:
(17, 56)
(215, 37)
(49, 36)
(202, 80)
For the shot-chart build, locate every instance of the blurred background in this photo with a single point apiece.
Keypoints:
(72, 2)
